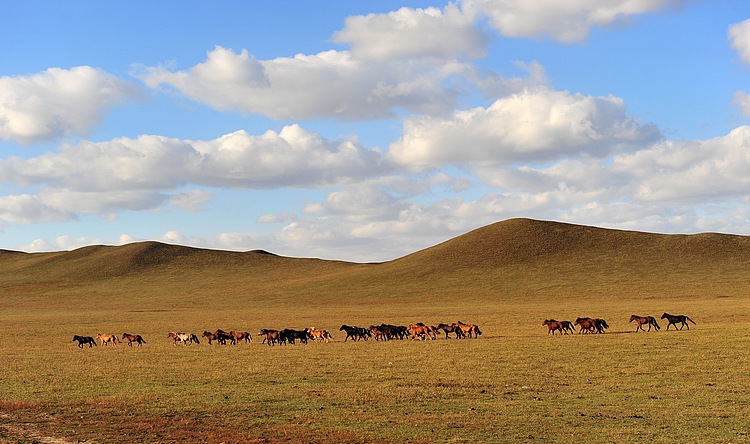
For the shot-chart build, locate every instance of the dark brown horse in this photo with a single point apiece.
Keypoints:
(675, 319)
(641, 320)
(133, 338)
(553, 325)
(82, 340)
(271, 336)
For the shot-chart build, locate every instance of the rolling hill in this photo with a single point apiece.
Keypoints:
(517, 258)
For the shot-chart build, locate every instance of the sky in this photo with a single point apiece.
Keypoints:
(368, 130)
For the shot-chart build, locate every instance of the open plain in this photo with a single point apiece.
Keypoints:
(515, 383)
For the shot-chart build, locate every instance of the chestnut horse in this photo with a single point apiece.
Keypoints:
(640, 320)
(553, 325)
(133, 338)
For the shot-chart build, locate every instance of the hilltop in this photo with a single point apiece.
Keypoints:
(513, 258)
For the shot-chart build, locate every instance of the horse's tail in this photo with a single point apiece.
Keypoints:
(688, 318)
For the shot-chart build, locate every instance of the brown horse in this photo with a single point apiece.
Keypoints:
(589, 325)
(84, 340)
(133, 338)
(553, 325)
(271, 336)
(239, 336)
(674, 319)
(469, 329)
(640, 320)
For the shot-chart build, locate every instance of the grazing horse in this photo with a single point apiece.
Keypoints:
(133, 338)
(640, 320)
(106, 339)
(356, 333)
(674, 319)
(84, 340)
(553, 325)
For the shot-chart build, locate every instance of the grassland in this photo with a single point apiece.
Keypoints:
(514, 384)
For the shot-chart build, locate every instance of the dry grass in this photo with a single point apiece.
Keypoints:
(514, 384)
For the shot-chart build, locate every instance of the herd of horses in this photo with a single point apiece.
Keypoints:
(597, 325)
(382, 332)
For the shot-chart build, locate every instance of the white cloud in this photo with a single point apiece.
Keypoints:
(565, 21)
(536, 126)
(145, 172)
(407, 33)
(58, 103)
(742, 100)
(329, 84)
(739, 34)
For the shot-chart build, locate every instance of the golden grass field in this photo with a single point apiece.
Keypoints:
(513, 384)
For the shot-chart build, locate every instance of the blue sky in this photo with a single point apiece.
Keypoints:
(364, 130)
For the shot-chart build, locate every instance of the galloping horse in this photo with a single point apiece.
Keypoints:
(589, 325)
(84, 340)
(553, 325)
(240, 335)
(469, 329)
(674, 319)
(133, 338)
(640, 320)
(185, 338)
(106, 339)
(271, 336)
(354, 332)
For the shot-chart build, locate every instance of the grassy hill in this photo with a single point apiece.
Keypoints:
(516, 259)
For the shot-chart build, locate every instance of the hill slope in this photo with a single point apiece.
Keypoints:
(513, 258)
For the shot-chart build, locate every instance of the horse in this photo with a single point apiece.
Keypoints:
(289, 335)
(271, 336)
(84, 340)
(356, 333)
(239, 336)
(450, 328)
(674, 319)
(379, 332)
(133, 338)
(220, 337)
(421, 331)
(185, 338)
(469, 329)
(106, 339)
(640, 320)
(553, 325)
(319, 335)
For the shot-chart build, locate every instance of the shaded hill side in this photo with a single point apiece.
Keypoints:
(516, 257)
(148, 258)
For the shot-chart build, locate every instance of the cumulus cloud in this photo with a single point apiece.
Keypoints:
(739, 35)
(566, 21)
(408, 33)
(536, 126)
(148, 171)
(58, 102)
(329, 84)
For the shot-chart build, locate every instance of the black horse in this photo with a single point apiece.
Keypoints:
(82, 340)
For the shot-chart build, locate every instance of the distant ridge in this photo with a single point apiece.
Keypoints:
(521, 257)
